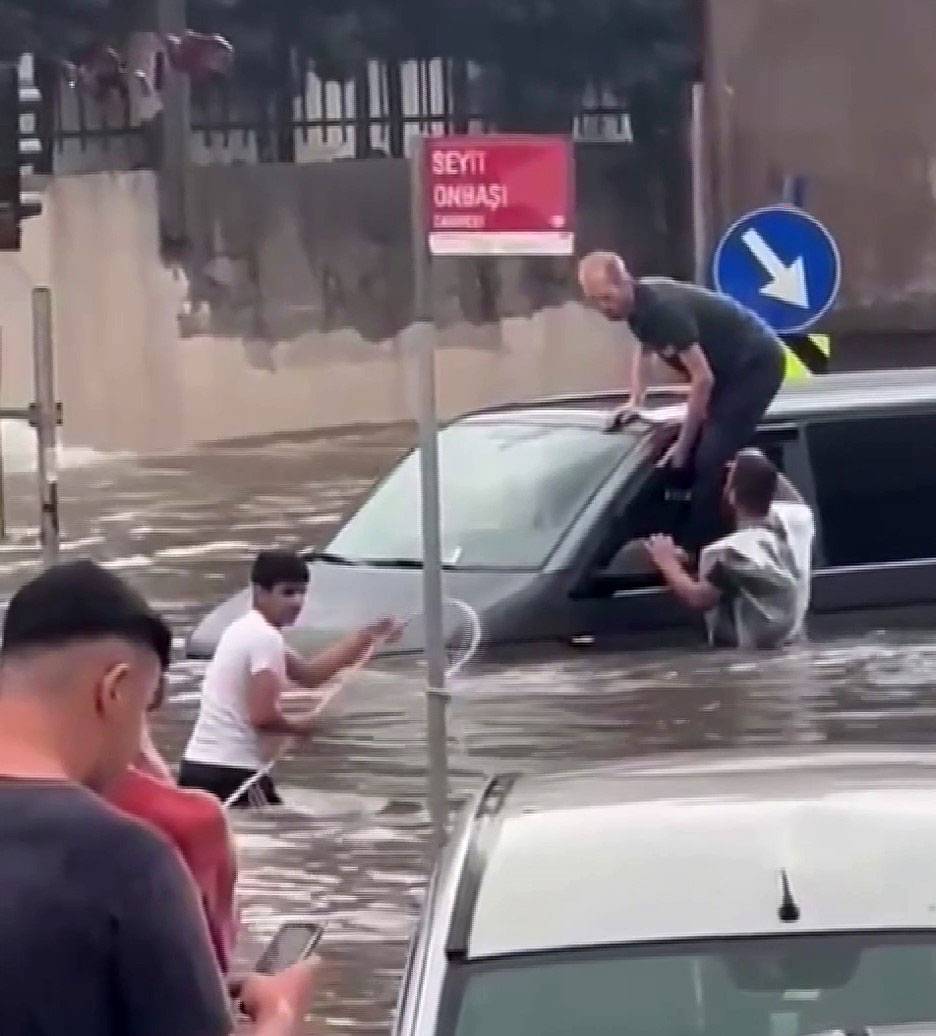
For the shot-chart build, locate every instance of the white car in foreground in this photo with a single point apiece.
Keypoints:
(777, 894)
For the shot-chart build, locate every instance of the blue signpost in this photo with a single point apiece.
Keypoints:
(783, 264)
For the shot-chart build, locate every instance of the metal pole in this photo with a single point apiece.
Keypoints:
(46, 425)
(423, 332)
(175, 143)
(698, 160)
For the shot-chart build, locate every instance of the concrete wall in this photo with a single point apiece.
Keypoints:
(842, 92)
(291, 311)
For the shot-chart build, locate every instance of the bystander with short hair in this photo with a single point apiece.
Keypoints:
(101, 930)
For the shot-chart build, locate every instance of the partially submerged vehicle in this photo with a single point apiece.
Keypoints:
(544, 511)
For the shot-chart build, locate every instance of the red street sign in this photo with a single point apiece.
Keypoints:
(500, 195)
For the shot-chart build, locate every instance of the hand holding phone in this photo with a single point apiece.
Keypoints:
(278, 1003)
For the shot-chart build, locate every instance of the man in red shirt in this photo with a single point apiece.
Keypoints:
(195, 823)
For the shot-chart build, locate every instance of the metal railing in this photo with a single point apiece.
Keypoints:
(376, 113)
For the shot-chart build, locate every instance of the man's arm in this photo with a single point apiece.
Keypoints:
(636, 388)
(701, 383)
(264, 710)
(265, 687)
(276, 1003)
(698, 594)
(319, 669)
(347, 652)
(638, 378)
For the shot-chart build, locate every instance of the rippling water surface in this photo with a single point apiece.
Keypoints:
(352, 845)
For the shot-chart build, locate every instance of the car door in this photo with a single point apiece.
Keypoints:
(875, 481)
(619, 594)
(411, 983)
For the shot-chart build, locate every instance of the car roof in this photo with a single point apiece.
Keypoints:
(867, 392)
(697, 846)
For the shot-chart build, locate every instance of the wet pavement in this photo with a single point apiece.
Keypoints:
(351, 847)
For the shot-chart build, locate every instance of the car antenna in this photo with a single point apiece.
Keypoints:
(789, 910)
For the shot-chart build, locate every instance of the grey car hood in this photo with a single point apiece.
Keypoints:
(343, 598)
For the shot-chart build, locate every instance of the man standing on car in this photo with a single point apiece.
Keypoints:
(733, 361)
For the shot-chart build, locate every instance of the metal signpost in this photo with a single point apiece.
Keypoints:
(44, 415)
(46, 423)
(782, 263)
(471, 196)
(424, 342)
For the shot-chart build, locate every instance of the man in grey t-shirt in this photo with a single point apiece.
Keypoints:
(733, 361)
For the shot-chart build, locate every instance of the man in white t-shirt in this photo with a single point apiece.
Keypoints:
(753, 584)
(241, 693)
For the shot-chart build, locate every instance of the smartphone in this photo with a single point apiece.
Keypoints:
(295, 941)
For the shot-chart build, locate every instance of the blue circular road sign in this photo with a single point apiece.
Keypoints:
(783, 264)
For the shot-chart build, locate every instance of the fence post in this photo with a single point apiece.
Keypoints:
(46, 418)
(176, 131)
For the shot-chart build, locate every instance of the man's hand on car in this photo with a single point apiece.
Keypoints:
(665, 553)
(620, 416)
(676, 457)
(388, 630)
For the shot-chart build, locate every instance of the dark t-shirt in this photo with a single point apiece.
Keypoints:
(101, 933)
(670, 316)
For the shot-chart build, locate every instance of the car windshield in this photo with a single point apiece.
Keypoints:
(790, 986)
(508, 489)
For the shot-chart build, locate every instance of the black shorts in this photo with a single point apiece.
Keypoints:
(224, 781)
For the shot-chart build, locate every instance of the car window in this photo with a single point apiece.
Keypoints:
(790, 986)
(876, 488)
(509, 490)
(655, 508)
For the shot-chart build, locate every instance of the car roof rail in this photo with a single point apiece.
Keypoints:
(487, 821)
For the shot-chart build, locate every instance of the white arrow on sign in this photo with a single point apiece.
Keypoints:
(787, 282)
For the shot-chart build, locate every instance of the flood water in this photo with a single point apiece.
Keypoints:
(352, 846)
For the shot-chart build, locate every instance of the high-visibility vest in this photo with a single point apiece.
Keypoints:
(806, 355)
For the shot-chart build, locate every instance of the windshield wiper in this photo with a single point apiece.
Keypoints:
(408, 563)
(331, 559)
(340, 559)
(393, 562)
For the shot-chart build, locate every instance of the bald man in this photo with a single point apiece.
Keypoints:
(733, 361)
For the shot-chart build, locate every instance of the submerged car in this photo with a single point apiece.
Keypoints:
(544, 511)
(782, 894)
